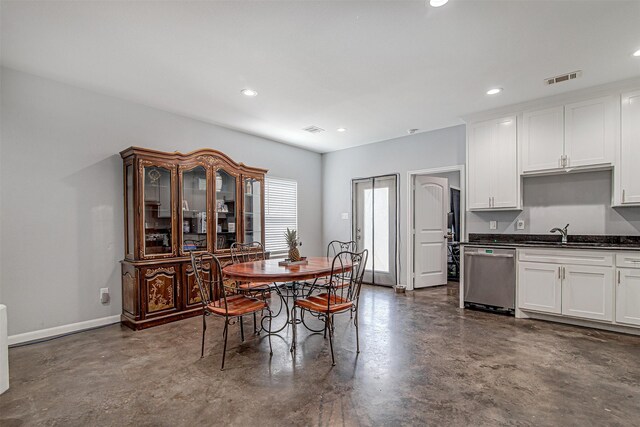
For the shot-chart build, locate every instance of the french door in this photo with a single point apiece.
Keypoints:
(375, 226)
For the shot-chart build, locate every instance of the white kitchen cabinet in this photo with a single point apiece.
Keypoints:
(574, 283)
(540, 287)
(628, 296)
(480, 165)
(578, 135)
(590, 130)
(492, 173)
(628, 175)
(587, 292)
(542, 139)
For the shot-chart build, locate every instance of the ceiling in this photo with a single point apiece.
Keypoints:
(376, 68)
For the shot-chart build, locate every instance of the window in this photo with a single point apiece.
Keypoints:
(280, 213)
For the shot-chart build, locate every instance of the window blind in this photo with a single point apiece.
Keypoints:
(280, 213)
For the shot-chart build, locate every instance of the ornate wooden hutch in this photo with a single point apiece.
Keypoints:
(175, 203)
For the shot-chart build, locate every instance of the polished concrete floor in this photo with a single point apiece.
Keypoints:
(423, 362)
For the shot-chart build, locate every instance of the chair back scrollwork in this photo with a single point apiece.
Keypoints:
(212, 291)
(346, 287)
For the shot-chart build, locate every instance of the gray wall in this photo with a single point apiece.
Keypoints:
(62, 219)
(581, 199)
(444, 147)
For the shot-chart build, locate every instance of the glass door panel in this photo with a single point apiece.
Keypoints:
(194, 209)
(252, 210)
(157, 211)
(130, 210)
(226, 233)
(375, 226)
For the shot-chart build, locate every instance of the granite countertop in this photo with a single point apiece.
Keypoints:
(602, 242)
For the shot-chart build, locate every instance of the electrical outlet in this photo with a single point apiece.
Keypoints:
(104, 296)
(520, 224)
(345, 215)
(493, 225)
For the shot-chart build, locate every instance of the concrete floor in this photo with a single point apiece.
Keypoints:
(423, 362)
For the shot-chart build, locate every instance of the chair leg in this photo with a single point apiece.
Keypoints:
(269, 334)
(255, 330)
(241, 328)
(204, 328)
(293, 327)
(330, 327)
(355, 321)
(226, 334)
(325, 329)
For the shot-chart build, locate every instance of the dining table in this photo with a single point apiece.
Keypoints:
(292, 280)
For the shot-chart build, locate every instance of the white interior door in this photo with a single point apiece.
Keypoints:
(375, 227)
(430, 209)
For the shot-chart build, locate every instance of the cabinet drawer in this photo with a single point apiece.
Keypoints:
(566, 256)
(628, 259)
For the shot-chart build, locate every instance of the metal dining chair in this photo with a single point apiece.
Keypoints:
(340, 295)
(223, 301)
(249, 252)
(333, 248)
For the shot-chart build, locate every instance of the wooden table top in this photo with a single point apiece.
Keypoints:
(269, 270)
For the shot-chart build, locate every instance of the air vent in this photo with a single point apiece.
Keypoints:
(313, 129)
(563, 78)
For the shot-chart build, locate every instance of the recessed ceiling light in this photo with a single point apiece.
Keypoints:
(636, 53)
(438, 3)
(341, 129)
(494, 91)
(248, 92)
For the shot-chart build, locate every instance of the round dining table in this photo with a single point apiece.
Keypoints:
(269, 271)
(292, 278)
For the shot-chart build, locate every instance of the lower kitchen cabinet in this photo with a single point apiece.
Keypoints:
(587, 292)
(540, 287)
(628, 296)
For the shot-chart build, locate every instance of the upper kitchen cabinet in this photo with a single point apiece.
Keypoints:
(492, 173)
(542, 139)
(627, 179)
(590, 130)
(579, 135)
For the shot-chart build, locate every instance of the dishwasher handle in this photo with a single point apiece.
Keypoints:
(489, 255)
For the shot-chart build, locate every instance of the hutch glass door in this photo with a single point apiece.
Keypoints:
(194, 209)
(225, 210)
(157, 211)
(252, 209)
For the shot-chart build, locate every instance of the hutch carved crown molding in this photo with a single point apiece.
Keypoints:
(175, 203)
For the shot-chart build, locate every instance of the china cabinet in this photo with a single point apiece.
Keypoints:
(175, 203)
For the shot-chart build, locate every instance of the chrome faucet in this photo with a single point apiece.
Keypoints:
(564, 231)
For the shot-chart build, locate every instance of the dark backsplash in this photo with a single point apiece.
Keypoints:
(551, 238)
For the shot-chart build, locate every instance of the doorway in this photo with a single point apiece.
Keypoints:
(375, 226)
(435, 225)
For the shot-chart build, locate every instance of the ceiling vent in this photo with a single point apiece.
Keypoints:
(313, 129)
(563, 78)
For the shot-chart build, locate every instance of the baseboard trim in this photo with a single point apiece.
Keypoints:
(57, 331)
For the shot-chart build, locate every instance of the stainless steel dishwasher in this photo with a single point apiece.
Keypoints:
(490, 278)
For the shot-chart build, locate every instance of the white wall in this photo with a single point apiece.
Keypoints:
(61, 174)
(581, 199)
(444, 147)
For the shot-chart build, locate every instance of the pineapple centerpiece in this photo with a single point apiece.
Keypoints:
(292, 241)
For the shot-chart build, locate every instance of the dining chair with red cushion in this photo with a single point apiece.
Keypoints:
(339, 295)
(223, 301)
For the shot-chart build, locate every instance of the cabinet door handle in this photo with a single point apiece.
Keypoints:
(559, 268)
(564, 273)
(623, 196)
(618, 277)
